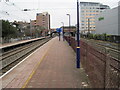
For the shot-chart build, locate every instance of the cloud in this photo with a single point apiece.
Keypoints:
(57, 9)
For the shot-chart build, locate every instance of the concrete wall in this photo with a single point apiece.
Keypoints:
(110, 23)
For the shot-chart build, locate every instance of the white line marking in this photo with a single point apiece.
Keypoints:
(20, 62)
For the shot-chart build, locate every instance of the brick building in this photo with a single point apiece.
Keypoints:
(43, 19)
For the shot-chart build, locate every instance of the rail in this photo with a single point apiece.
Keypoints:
(12, 57)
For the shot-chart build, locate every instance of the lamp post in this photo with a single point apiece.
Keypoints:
(78, 39)
(63, 30)
(69, 27)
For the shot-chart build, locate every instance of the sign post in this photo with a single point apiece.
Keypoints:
(59, 31)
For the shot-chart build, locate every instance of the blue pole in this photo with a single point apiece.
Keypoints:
(78, 38)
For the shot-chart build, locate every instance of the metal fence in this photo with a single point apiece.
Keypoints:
(102, 64)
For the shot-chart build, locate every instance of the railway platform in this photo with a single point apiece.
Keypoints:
(53, 65)
(18, 42)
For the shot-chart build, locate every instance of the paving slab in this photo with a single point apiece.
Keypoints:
(58, 69)
(53, 65)
(18, 75)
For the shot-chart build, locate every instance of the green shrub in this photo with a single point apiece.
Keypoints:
(103, 37)
(90, 36)
(108, 37)
(97, 37)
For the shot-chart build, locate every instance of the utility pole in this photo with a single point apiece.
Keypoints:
(78, 38)
(30, 28)
(88, 26)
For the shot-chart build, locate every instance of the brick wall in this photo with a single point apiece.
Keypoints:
(102, 69)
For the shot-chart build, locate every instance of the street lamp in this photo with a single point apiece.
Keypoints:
(69, 27)
(78, 38)
(63, 30)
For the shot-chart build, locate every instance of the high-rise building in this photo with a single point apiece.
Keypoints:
(43, 19)
(88, 12)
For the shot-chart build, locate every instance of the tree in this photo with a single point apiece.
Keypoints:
(8, 30)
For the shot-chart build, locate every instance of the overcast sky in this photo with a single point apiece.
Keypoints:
(56, 8)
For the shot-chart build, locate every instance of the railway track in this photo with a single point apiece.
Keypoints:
(13, 57)
(105, 47)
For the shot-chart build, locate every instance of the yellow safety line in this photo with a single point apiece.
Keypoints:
(34, 70)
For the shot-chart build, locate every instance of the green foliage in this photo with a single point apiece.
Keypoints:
(103, 37)
(108, 37)
(90, 36)
(97, 37)
(8, 31)
(81, 35)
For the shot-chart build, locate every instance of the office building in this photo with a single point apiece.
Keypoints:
(108, 22)
(88, 12)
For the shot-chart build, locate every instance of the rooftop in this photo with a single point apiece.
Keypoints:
(89, 3)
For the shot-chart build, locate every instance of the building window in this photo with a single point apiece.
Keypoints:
(37, 14)
(82, 11)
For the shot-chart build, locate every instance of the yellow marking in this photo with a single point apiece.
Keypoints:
(34, 70)
(78, 47)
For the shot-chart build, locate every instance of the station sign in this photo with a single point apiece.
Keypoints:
(59, 29)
